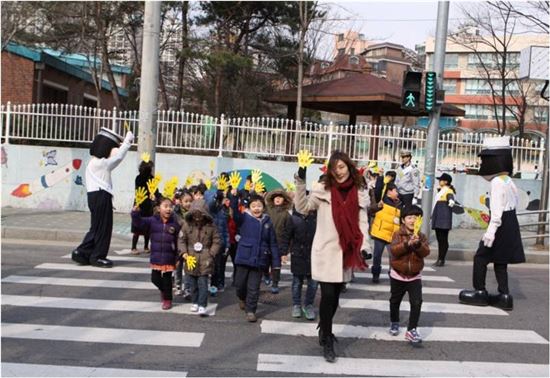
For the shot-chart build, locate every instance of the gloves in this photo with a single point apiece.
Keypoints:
(488, 239)
(451, 203)
(129, 138)
(302, 173)
(415, 201)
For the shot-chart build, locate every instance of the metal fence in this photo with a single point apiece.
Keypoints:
(256, 137)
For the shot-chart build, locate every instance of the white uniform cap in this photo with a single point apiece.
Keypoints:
(496, 143)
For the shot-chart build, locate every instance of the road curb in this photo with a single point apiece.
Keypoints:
(31, 233)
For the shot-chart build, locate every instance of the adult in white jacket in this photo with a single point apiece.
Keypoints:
(340, 237)
(107, 153)
(501, 244)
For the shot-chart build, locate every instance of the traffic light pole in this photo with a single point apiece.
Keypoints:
(433, 127)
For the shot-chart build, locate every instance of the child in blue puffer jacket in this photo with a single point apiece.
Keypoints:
(257, 248)
(164, 229)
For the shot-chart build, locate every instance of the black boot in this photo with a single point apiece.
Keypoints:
(79, 257)
(375, 277)
(503, 301)
(328, 348)
(439, 263)
(321, 335)
(474, 297)
(102, 263)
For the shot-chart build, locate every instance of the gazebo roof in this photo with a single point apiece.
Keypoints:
(360, 94)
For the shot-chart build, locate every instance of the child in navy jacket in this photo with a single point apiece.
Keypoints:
(164, 229)
(257, 249)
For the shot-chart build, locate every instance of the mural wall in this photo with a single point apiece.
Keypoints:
(53, 178)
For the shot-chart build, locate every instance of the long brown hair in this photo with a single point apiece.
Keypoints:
(330, 180)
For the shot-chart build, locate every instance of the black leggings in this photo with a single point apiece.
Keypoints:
(145, 241)
(398, 290)
(442, 236)
(480, 273)
(163, 281)
(330, 295)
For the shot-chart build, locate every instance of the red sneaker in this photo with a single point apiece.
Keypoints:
(166, 304)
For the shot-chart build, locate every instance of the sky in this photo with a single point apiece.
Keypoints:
(404, 23)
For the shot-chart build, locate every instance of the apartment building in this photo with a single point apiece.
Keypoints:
(349, 43)
(467, 87)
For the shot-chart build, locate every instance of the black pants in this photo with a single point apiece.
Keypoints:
(135, 239)
(163, 281)
(330, 295)
(398, 290)
(480, 273)
(97, 241)
(218, 276)
(406, 199)
(247, 281)
(442, 243)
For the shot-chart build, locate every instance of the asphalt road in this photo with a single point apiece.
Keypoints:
(227, 345)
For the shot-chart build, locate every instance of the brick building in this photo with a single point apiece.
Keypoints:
(39, 76)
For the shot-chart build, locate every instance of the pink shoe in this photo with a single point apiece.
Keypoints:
(166, 304)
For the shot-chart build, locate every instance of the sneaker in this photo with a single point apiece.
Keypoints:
(251, 317)
(178, 291)
(213, 291)
(147, 250)
(134, 252)
(166, 304)
(242, 304)
(267, 280)
(274, 290)
(394, 329)
(202, 311)
(194, 307)
(221, 288)
(187, 295)
(413, 336)
(309, 312)
(296, 311)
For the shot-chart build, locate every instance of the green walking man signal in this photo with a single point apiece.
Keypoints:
(430, 91)
(412, 87)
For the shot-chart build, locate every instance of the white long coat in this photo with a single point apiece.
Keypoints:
(326, 254)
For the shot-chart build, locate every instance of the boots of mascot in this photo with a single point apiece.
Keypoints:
(501, 244)
(108, 150)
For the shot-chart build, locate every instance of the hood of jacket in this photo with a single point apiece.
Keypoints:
(199, 206)
(287, 204)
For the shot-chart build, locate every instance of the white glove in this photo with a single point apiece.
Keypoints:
(451, 203)
(129, 138)
(488, 239)
(415, 201)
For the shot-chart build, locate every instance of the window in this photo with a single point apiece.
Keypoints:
(451, 61)
(341, 51)
(449, 85)
(476, 87)
(477, 111)
(353, 60)
(352, 51)
(509, 113)
(340, 37)
(51, 95)
(541, 114)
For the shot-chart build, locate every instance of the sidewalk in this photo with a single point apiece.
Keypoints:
(71, 226)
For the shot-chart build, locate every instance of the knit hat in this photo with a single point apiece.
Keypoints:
(411, 210)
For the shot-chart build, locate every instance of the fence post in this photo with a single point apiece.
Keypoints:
(8, 122)
(330, 136)
(220, 142)
(113, 117)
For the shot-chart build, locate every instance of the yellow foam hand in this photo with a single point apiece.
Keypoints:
(387, 179)
(256, 175)
(191, 262)
(170, 187)
(290, 186)
(304, 158)
(141, 195)
(188, 181)
(235, 179)
(259, 187)
(146, 157)
(417, 225)
(223, 184)
(247, 186)
(212, 165)
(208, 183)
(126, 127)
(153, 184)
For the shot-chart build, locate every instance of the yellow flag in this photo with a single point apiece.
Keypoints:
(417, 225)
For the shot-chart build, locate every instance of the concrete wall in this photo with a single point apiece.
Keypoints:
(27, 164)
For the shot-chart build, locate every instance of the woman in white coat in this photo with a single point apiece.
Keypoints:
(340, 236)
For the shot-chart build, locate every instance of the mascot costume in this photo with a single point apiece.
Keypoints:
(501, 244)
(107, 153)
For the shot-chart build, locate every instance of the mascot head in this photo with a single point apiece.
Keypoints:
(496, 156)
(104, 142)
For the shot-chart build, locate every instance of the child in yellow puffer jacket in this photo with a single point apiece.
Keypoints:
(386, 221)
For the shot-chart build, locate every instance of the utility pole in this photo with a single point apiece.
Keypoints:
(543, 217)
(433, 128)
(148, 94)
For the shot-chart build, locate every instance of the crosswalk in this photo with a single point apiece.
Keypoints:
(60, 287)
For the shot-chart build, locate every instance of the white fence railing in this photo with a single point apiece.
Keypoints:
(256, 137)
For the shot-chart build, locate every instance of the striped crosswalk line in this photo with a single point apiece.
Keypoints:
(479, 335)
(384, 276)
(98, 304)
(386, 289)
(400, 368)
(89, 268)
(39, 370)
(101, 335)
(120, 258)
(79, 282)
(439, 307)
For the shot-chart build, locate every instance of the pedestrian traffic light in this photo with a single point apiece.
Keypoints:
(412, 87)
(430, 91)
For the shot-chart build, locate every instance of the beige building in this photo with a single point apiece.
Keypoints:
(349, 43)
(466, 85)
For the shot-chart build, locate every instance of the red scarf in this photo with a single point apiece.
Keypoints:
(345, 213)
